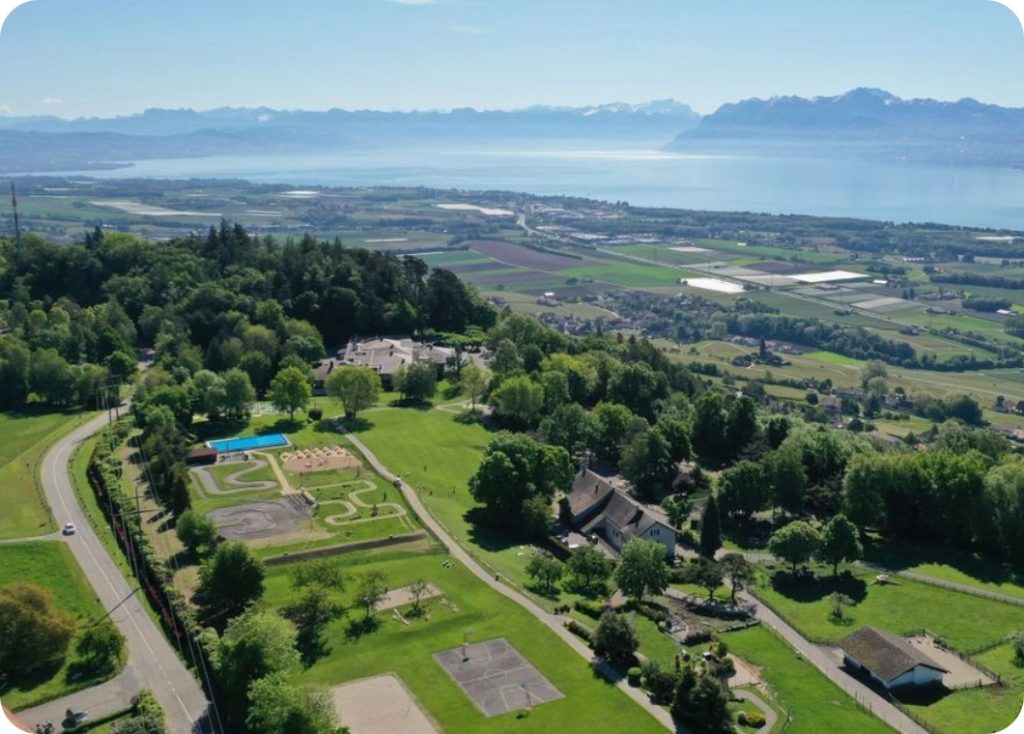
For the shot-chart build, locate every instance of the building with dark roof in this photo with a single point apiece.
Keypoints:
(889, 659)
(596, 507)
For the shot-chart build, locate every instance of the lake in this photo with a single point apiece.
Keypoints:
(977, 197)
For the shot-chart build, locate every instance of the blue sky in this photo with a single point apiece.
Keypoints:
(104, 57)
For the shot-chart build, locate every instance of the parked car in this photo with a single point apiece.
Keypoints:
(69, 529)
(75, 716)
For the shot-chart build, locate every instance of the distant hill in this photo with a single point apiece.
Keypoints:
(865, 122)
(46, 143)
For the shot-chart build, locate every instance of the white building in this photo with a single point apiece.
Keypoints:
(889, 660)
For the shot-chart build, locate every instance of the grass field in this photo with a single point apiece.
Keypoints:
(24, 438)
(814, 703)
(407, 651)
(51, 565)
(966, 622)
(630, 275)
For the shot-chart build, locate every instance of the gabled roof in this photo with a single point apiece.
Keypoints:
(591, 491)
(886, 655)
(588, 490)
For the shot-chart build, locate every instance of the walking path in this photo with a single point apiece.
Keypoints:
(152, 662)
(770, 717)
(99, 701)
(553, 622)
(56, 535)
(826, 661)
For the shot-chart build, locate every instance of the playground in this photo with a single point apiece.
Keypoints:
(497, 677)
(321, 458)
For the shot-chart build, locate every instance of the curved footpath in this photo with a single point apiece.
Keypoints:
(152, 662)
(552, 621)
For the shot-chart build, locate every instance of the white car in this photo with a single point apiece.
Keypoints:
(69, 528)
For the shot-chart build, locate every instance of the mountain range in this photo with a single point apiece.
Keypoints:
(861, 123)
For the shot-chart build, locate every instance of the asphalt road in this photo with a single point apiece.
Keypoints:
(152, 662)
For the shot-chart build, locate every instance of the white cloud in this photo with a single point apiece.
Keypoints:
(5, 110)
(52, 100)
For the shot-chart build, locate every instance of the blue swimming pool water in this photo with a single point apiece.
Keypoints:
(248, 443)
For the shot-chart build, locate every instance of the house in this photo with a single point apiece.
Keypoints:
(889, 660)
(832, 405)
(200, 456)
(320, 374)
(387, 356)
(594, 506)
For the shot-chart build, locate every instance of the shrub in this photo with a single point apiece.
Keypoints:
(592, 609)
(316, 413)
(579, 630)
(754, 719)
(741, 718)
(633, 676)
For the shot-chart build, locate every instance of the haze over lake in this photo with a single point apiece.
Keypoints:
(647, 176)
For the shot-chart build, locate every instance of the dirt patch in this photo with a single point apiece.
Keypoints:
(324, 458)
(402, 596)
(961, 673)
(380, 705)
(524, 257)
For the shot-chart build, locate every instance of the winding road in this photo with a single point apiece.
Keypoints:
(152, 662)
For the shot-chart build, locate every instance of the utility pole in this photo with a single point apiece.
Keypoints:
(17, 224)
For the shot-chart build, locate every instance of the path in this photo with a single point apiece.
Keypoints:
(99, 701)
(152, 662)
(210, 485)
(55, 535)
(553, 622)
(354, 502)
(770, 717)
(826, 661)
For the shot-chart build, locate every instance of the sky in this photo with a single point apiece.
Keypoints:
(108, 57)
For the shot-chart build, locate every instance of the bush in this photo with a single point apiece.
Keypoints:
(316, 413)
(753, 719)
(633, 676)
(592, 609)
(579, 630)
(741, 718)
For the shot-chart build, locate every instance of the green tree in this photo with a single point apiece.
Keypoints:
(839, 543)
(506, 358)
(677, 509)
(357, 388)
(100, 647)
(239, 394)
(739, 572)
(197, 532)
(51, 378)
(417, 382)
(569, 426)
(740, 427)
(259, 368)
(710, 528)
(519, 400)
(473, 381)
(371, 588)
(788, 478)
(277, 706)
(642, 569)
(590, 568)
(677, 434)
(1017, 641)
(744, 489)
(311, 612)
(229, 581)
(255, 644)
(613, 428)
(121, 364)
(34, 634)
(795, 543)
(290, 391)
(545, 570)
(707, 574)
(647, 463)
(708, 710)
(615, 639)
(709, 425)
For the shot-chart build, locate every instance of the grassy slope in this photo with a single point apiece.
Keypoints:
(407, 651)
(52, 566)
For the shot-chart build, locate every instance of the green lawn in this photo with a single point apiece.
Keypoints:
(51, 565)
(815, 703)
(408, 650)
(631, 275)
(24, 438)
(966, 622)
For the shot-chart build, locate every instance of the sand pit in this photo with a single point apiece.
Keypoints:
(402, 596)
(322, 458)
(380, 705)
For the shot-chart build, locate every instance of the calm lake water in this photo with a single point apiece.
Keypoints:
(978, 197)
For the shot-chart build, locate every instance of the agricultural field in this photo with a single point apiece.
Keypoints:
(24, 438)
(51, 565)
(466, 607)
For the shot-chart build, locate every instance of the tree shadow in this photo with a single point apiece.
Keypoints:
(815, 588)
(357, 424)
(548, 592)
(282, 425)
(901, 556)
(27, 681)
(487, 536)
(360, 626)
(206, 430)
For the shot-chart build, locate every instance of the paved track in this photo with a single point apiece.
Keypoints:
(152, 662)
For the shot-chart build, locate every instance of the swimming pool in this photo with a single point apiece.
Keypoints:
(248, 443)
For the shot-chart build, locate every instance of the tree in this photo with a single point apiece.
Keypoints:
(230, 580)
(647, 463)
(418, 590)
(239, 394)
(590, 567)
(741, 426)
(642, 568)
(710, 528)
(569, 426)
(197, 532)
(788, 478)
(838, 602)
(473, 381)
(51, 377)
(708, 710)
(34, 634)
(744, 489)
(121, 364)
(417, 381)
(839, 543)
(506, 357)
(707, 574)
(259, 368)
(545, 569)
(100, 648)
(795, 543)
(371, 588)
(255, 644)
(708, 436)
(739, 572)
(277, 706)
(356, 387)
(615, 639)
(311, 612)
(518, 399)
(677, 434)
(1017, 641)
(613, 427)
(290, 391)
(677, 509)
